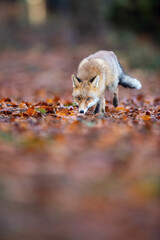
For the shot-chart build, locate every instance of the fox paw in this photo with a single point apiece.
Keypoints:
(115, 102)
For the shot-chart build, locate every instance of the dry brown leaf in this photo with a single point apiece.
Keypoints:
(31, 111)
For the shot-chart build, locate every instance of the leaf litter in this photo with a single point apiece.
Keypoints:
(79, 170)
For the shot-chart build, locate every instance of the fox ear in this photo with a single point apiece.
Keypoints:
(75, 81)
(94, 81)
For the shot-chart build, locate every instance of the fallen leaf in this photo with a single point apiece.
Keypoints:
(30, 111)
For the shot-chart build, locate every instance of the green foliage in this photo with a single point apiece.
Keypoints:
(139, 15)
(139, 52)
(41, 110)
(144, 56)
(70, 104)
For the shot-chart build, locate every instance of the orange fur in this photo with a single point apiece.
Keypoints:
(96, 73)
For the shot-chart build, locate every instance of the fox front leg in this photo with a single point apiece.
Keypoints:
(115, 98)
(100, 107)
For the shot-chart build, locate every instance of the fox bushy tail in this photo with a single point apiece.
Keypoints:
(129, 82)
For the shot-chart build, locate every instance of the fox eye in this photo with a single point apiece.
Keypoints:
(89, 98)
(79, 98)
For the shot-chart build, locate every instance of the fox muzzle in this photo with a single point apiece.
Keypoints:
(83, 110)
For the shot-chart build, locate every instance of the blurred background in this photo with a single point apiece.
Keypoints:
(63, 178)
(48, 38)
(122, 25)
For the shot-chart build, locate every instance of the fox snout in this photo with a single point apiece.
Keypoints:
(83, 107)
(81, 111)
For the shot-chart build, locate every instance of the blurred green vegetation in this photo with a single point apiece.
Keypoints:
(128, 27)
(140, 15)
(140, 53)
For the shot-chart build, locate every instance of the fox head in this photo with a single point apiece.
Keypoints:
(85, 93)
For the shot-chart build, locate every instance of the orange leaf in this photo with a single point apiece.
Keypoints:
(49, 101)
(124, 117)
(22, 105)
(146, 117)
(6, 99)
(56, 99)
(122, 108)
(30, 111)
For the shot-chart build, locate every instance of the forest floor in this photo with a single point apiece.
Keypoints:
(68, 176)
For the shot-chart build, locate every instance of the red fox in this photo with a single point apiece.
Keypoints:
(96, 73)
